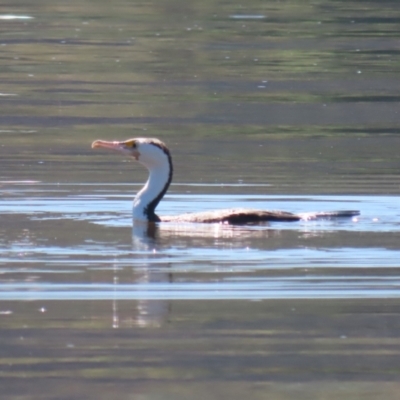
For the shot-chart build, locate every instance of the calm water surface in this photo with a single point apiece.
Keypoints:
(276, 105)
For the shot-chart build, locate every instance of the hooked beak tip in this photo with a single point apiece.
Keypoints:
(95, 144)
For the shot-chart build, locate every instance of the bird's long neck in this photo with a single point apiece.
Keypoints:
(146, 201)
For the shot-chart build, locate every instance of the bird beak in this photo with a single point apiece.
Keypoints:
(121, 147)
(107, 145)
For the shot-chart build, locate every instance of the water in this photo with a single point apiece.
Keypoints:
(264, 105)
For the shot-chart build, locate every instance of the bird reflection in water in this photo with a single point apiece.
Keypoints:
(149, 242)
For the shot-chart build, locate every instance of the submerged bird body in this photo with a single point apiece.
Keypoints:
(155, 156)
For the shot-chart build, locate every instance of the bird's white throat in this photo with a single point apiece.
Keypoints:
(160, 175)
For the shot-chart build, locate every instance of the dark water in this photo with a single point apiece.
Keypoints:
(280, 105)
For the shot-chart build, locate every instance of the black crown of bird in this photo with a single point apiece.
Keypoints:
(156, 157)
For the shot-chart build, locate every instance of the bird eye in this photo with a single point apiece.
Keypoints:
(131, 144)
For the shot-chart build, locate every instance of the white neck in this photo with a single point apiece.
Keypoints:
(157, 184)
